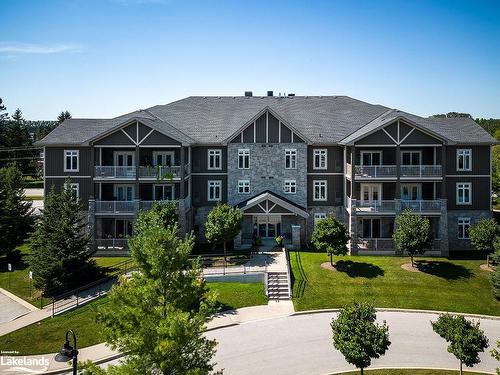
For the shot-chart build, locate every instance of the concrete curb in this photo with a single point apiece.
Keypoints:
(410, 368)
(388, 309)
(97, 362)
(19, 300)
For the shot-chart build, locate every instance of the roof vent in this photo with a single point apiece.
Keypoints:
(248, 93)
(291, 94)
(269, 93)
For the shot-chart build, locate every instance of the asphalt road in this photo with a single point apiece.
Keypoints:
(302, 344)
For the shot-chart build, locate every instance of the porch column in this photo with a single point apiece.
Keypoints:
(92, 172)
(137, 162)
(443, 171)
(398, 172)
(183, 162)
(353, 162)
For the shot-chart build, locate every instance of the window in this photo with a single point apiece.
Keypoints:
(319, 191)
(410, 157)
(371, 157)
(165, 159)
(243, 159)
(163, 192)
(464, 193)
(75, 188)
(319, 216)
(464, 160)
(244, 187)
(320, 159)
(214, 159)
(290, 159)
(290, 187)
(71, 160)
(463, 228)
(214, 190)
(371, 228)
(124, 192)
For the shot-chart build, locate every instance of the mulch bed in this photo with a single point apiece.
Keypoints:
(409, 268)
(485, 267)
(328, 266)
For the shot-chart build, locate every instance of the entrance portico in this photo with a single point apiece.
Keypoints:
(267, 215)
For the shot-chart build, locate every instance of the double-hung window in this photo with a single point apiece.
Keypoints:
(319, 190)
(290, 186)
(214, 159)
(320, 159)
(243, 158)
(290, 158)
(244, 187)
(71, 160)
(464, 193)
(215, 190)
(464, 159)
(463, 228)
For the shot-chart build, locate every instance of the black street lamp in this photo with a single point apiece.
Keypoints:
(68, 352)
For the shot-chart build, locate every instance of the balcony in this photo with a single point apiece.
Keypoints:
(388, 206)
(112, 171)
(113, 244)
(394, 206)
(163, 172)
(375, 171)
(421, 205)
(115, 207)
(387, 245)
(421, 171)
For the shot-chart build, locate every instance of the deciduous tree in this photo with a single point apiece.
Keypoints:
(466, 339)
(483, 234)
(357, 336)
(330, 236)
(223, 224)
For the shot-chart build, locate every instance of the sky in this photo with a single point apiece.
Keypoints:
(101, 59)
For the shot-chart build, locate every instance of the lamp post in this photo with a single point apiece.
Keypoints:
(68, 352)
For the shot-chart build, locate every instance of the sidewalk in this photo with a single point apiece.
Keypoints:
(102, 353)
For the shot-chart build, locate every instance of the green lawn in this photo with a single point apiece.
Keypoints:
(52, 330)
(445, 285)
(410, 371)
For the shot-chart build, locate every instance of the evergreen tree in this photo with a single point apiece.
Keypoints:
(3, 124)
(64, 115)
(330, 236)
(16, 220)
(17, 133)
(157, 316)
(61, 257)
(412, 234)
(223, 224)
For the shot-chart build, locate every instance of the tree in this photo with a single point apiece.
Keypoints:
(64, 115)
(16, 133)
(357, 336)
(330, 236)
(495, 281)
(165, 211)
(223, 224)
(483, 233)
(412, 234)
(495, 353)
(453, 115)
(466, 339)
(157, 316)
(61, 256)
(16, 220)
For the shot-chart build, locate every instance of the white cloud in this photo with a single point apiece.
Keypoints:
(132, 2)
(15, 48)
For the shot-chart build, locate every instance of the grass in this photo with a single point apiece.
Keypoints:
(82, 321)
(34, 197)
(410, 371)
(445, 285)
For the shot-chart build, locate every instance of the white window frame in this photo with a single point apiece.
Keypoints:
(466, 153)
(463, 222)
(320, 153)
(163, 155)
(71, 154)
(319, 216)
(216, 154)
(290, 186)
(371, 152)
(411, 152)
(291, 153)
(125, 186)
(75, 187)
(155, 198)
(243, 185)
(214, 184)
(116, 154)
(243, 155)
(462, 186)
(320, 184)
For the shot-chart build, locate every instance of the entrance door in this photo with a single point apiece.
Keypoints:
(371, 193)
(371, 228)
(163, 192)
(371, 157)
(124, 192)
(123, 228)
(268, 226)
(411, 192)
(124, 158)
(163, 158)
(410, 157)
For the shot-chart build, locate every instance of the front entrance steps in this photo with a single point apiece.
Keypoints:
(278, 286)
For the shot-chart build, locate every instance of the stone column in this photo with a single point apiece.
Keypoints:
(353, 224)
(91, 223)
(296, 236)
(443, 228)
(398, 172)
(237, 241)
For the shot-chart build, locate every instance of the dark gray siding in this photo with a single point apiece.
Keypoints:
(200, 190)
(273, 129)
(248, 134)
(377, 138)
(131, 130)
(200, 159)
(157, 138)
(480, 193)
(286, 134)
(54, 161)
(335, 156)
(260, 129)
(480, 160)
(117, 138)
(84, 187)
(419, 138)
(335, 190)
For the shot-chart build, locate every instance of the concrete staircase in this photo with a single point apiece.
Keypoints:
(277, 286)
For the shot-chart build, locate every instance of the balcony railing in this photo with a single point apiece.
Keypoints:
(421, 205)
(421, 171)
(375, 171)
(376, 206)
(115, 171)
(387, 244)
(163, 172)
(115, 207)
(116, 244)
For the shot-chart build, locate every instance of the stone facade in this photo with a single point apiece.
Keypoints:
(453, 215)
(200, 217)
(267, 171)
(338, 212)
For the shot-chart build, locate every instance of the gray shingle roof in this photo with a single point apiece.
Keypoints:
(212, 120)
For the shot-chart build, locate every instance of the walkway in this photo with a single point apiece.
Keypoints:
(270, 261)
(10, 308)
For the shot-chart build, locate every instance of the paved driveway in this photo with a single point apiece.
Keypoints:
(10, 309)
(302, 344)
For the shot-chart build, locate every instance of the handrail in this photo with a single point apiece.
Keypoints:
(288, 272)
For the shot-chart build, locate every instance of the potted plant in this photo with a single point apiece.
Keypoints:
(280, 239)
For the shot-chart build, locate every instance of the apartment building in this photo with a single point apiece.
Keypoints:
(285, 161)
